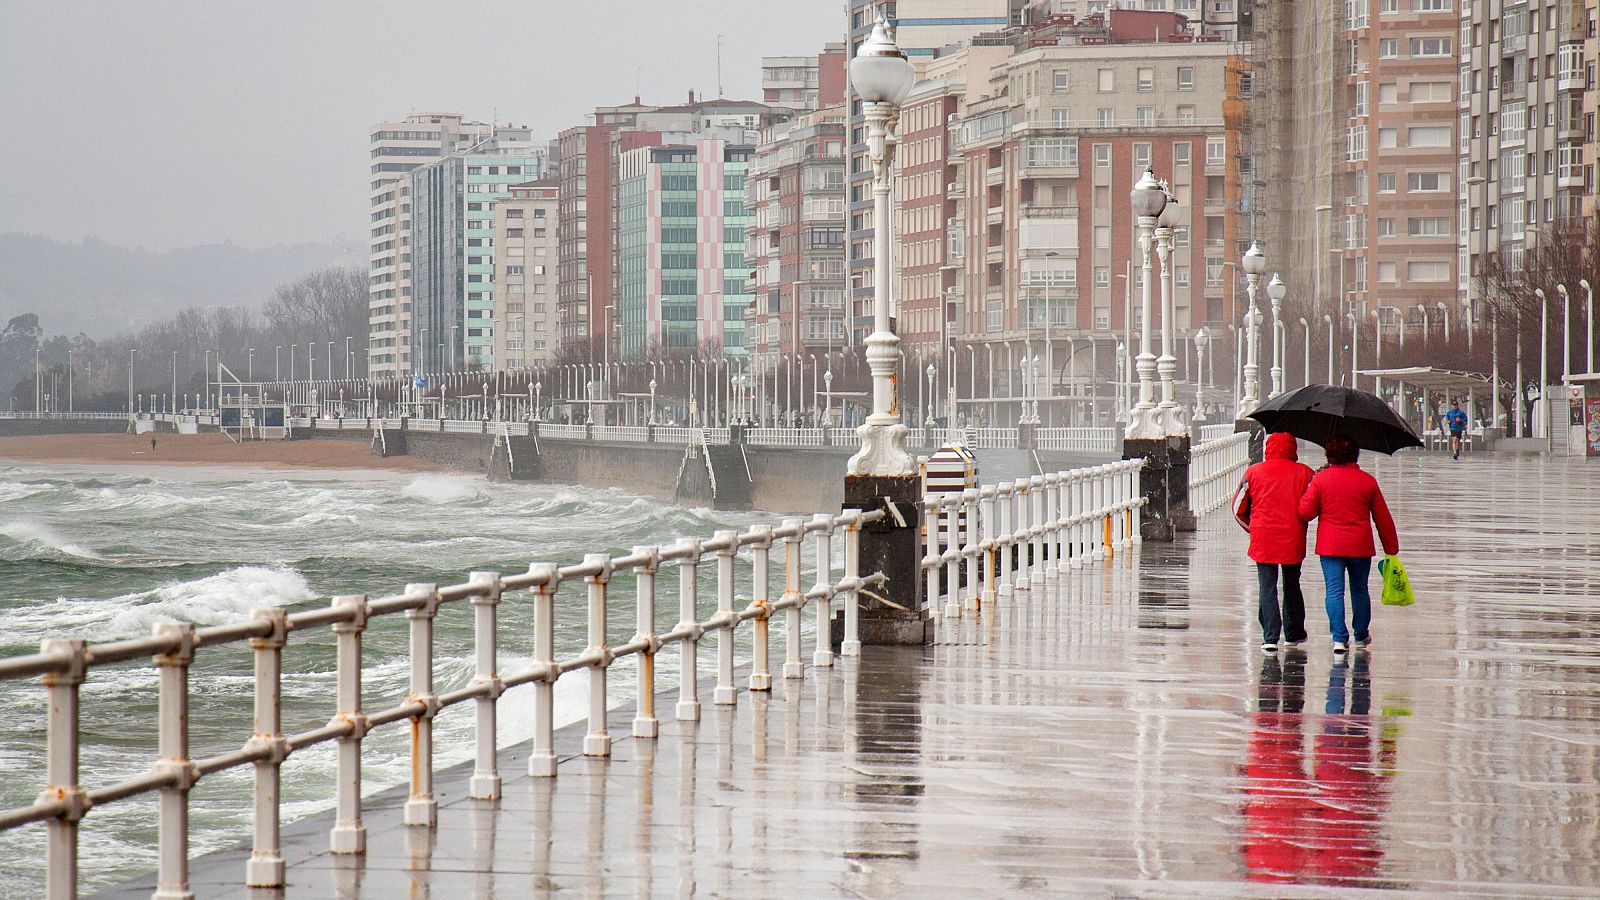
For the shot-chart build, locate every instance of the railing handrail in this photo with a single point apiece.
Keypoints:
(172, 647)
(1211, 467)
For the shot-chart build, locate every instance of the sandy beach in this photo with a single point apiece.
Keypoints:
(204, 450)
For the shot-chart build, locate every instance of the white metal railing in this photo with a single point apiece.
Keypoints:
(990, 541)
(1214, 467)
(1215, 432)
(66, 663)
(676, 435)
(637, 433)
(1082, 439)
(563, 432)
(787, 437)
(994, 438)
(64, 415)
(717, 435)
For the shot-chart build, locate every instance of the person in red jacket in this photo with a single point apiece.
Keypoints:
(1278, 538)
(1349, 503)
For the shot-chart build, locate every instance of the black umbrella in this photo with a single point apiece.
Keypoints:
(1318, 411)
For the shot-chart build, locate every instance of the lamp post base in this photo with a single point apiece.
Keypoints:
(1155, 520)
(1258, 438)
(893, 547)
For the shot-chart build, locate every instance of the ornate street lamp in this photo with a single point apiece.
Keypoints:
(1148, 202)
(1276, 290)
(1254, 265)
(1202, 338)
(882, 76)
(1171, 414)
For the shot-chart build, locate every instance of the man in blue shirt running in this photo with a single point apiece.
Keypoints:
(1456, 421)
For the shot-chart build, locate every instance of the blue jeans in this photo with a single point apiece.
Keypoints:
(1292, 622)
(1333, 575)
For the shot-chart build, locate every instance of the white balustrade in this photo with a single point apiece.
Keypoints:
(1214, 470)
(66, 664)
(1081, 439)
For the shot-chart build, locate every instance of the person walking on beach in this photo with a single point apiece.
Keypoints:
(1274, 487)
(1456, 421)
(1349, 503)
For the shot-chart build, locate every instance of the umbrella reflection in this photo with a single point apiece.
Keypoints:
(1324, 828)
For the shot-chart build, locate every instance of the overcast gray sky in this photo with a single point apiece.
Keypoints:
(167, 123)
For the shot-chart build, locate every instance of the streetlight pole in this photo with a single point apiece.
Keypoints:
(277, 372)
(1276, 291)
(1588, 335)
(1377, 351)
(1542, 426)
(1148, 202)
(1566, 333)
(1254, 265)
(69, 381)
(131, 352)
(1355, 350)
(1306, 327)
(347, 357)
(1327, 317)
(882, 76)
(1170, 414)
(1201, 339)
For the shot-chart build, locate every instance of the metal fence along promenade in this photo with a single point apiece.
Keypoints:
(65, 664)
(1003, 535)
(1214, 469)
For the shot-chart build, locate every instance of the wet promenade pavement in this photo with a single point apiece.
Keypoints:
(1116, 734)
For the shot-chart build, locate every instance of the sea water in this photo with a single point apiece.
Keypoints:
(106, 552)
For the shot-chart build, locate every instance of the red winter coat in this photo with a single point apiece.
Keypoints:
(1349, 502)
(1276, 484)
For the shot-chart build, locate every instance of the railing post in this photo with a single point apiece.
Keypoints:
(1003, 506)
(265, 868)
(1019, 534)
(421, 808)
(598, 741)
(792, 667)
(724, 694)
(760, 577)
(851, 644)
(485, 782)
(172, 875)
(689, 624)
(932, 508)
(823, 524)
(1038, 527)
(645, 724)
(61, 767)
(1083, 523)
(952, 551)
(1135, 532)
(348, 834)
(542, 756)
(1104, 525)
(969, 512)
(986, 496)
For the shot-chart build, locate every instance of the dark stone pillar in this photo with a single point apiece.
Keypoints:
(1155, 520)
(1178, 509)
(893, 547)
(1027, 436)
(1258, 438)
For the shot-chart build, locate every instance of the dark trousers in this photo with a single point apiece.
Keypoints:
(1291, 624)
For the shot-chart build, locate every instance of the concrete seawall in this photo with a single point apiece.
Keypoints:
(38, 427)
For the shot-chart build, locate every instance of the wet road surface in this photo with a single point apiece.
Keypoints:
(1116, 733)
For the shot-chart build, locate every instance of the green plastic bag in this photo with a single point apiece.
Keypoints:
(1396, 586)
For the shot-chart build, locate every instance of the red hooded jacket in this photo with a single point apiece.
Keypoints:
(1277, 535)
(1349, 502)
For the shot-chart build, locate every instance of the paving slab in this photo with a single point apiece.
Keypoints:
(1115, 732)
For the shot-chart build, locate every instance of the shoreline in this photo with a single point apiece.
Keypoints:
(204, 450)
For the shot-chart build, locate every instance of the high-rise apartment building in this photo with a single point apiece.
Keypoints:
(396, 148)
(525, 248)
(794, 248)
(804, 83)
(1591, 106)
(1524, 79)
(1394, 210)
(1231, 20)
(923, 29)
(453, 250)
(1043, 170)
(680, 248)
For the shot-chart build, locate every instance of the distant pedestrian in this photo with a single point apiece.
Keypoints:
(1456, 421)
(152, 442)
(1273, 489)
(1349, 503)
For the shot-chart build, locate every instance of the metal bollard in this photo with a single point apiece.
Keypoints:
(689, 624)
(792, 667)
(421, 808)
(760, 576)
(851, 645)
(172, 874)
(597, 742)
(485, 782)
(645, 724)
(348, 834)
(822, 658)
(265, 868)
(725, 695)
(542, 755)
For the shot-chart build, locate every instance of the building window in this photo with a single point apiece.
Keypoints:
(1144, 116)
(1428, 136)
(1103, 117)
(1388, 48)
(1386, 273)
(1431, 46)
(1185, 115)
(1430, 5)
(1141, 157)
(1430, 182)
(1061, 118)
(1108, 80)
(1216, 151)
(1185, 78)
(1061, 81)
(1388, 138)
(1147, 79)
(1102, 156)
(1386, 182)
(1102, 277)
(1385, 229)
(1433, 270)
(1180, 153)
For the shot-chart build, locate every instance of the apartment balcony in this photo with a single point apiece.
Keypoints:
(955, 190)
(1216, 206)
(1570, 81)
(995, 254)
(1040, 211)
(994, 216)
(1570, 180)
(1514, 44)
(996, 175)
